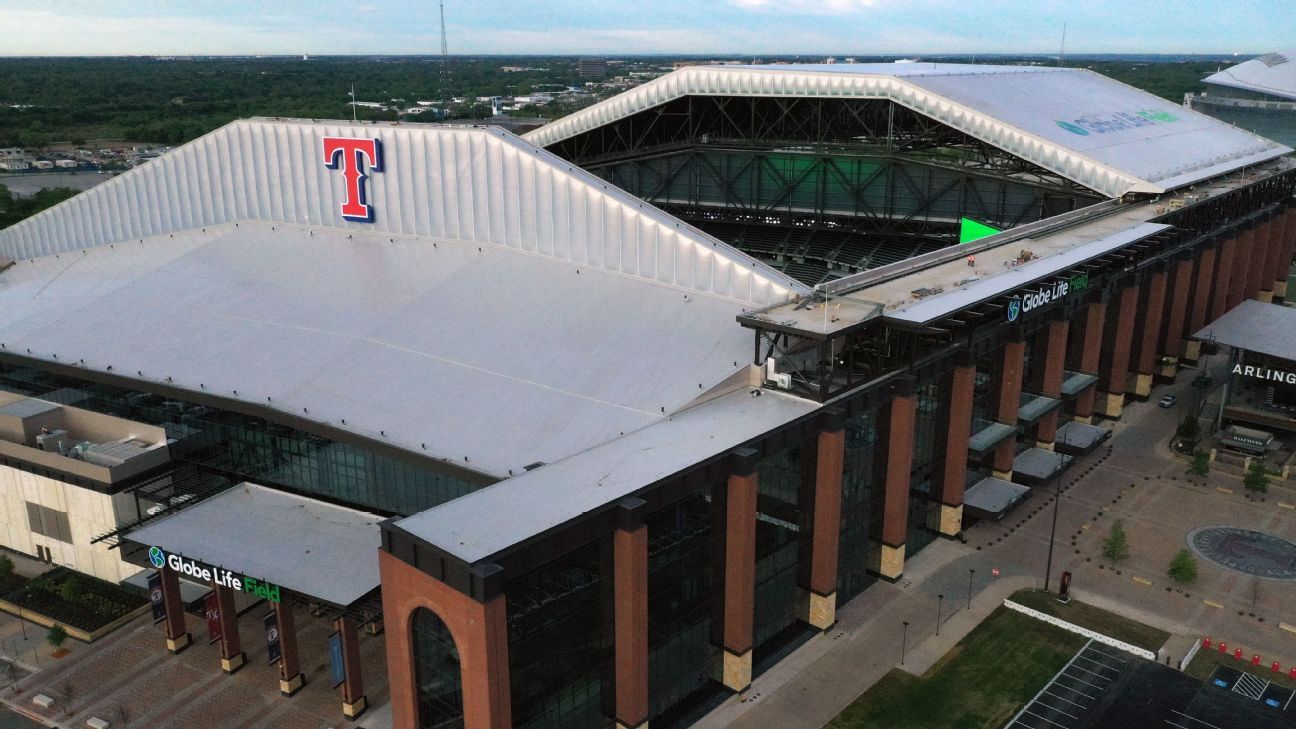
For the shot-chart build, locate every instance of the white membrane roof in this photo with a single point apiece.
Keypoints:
(1272, 73)
(1102, 134)
(307, 546)
(482, 524)
(487, 357)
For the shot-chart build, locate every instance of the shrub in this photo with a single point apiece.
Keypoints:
(56, 636)
(71, 589)
(6, 567)
(1257, 476)
(1183, 568)
(1116, 546)
(1200, 465)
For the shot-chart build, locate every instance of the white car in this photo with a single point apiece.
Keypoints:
(1167, 401)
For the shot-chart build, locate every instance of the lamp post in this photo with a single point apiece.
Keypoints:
(971, 572)
(939, 600)
(904, 640)
(1057, 498)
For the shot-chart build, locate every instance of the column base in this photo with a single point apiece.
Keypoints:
(353, 709)
(1169, 372)
(1086, 419)
(641, 725)
(821, 610)
(893, 559)
(1143, 385)
(1265, 296)
(374, 627)
(234, 662)
(1111, 404)
(290, 686)
(1192, 350)
(175, 645)
(951, 520)
(1047, 445)
(1280, 289)
(736, 670)
(1002, 475)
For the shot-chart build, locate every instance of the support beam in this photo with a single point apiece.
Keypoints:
(177, 633)
(1223, 276)
(1237, 290)
(1262, 270)
(1176, 315)
(958, 432)
(630, 617)
(1095, 320)
(480, 632)
(1204, 274)
(820, 583)
(354, 702)
(1259, 254)
(895, 497)
(291, 678)
(232, 657)
(1008, 388)
(1116, 372)
(739, 572)
(1054, 371)
(1149, 321)
(1287, 248)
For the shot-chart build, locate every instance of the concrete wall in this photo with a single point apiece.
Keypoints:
(89, 514)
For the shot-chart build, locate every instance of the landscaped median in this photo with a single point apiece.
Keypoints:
(86, 607)
(1095, 619)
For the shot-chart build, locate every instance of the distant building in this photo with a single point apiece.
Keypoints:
(65, 163)
(1258, 96)
(43, 164)
(14, 165)
(592, 69)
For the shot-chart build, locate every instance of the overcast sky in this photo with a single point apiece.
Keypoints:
(736, 27)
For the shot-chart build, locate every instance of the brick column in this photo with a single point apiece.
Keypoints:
(1095, 320)
(1176, 315)
(291, 678)
(1224, 260)
(1287, 248)
(1113, 377)
(231, 648)
(353, 696)
(1201, 301)
(177, 633)
(480, 632)
(1262, 263)
(739, 571)
(820, 580)
(958, 432)
(1149, 322)
(1008, 388)
(895, 496)
(1051, 384)
(630, 615)
(1237, 290)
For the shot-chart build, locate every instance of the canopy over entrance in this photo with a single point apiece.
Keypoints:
(268, 538)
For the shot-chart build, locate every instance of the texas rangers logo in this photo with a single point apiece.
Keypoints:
(350, 156)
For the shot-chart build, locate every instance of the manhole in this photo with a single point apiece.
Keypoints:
(1245, 550)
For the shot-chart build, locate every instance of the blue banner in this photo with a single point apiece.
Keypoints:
(274, 649)
(336, 663)
(156, 598)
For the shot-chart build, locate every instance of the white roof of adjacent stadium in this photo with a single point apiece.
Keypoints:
(502, 309)
(481, 524)
(1272, 73)
(332, 553)
(1102, 134)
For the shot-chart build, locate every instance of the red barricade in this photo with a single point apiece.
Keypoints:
(1237, 654)
(1276, 667)
(1206, 643)
(1255, 659)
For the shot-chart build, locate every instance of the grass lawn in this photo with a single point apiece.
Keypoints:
(1203, 664)
(979, 684)
(1088, 616)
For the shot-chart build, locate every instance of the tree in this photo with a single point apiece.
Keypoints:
(1200, 465)
(1183, 568)
(56, 636)
(1257, 476)
(1189, 430)
(1116, 546)
(6, 567)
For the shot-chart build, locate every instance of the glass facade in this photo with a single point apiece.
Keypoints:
(779, 480)
(256, 449)
(560, 642)
(859, 553)
(683, 588)
(930, 414)
(437, 677)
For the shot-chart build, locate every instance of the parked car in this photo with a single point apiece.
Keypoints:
(1167, 401)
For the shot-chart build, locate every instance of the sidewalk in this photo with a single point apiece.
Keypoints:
(811, 686)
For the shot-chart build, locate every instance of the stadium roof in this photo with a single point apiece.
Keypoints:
(1272, 73)
(1256, 327)
(1086, 127)
(482, 524)
(500, 311)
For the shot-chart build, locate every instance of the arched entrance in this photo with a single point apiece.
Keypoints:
(437, 679)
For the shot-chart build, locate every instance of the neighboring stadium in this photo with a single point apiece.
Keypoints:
(598, 422)
(1258, 95)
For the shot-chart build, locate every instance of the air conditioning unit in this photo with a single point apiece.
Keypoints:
(773, 376)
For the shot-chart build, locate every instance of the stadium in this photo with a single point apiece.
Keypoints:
(1258, 95)
(598, 422)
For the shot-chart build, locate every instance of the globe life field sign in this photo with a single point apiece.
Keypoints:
(219, 576)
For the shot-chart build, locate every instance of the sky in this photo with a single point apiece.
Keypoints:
(624, 27)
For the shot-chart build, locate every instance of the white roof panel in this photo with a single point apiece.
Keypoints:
(1272, 73)
(1255, 326)
(1084, 126)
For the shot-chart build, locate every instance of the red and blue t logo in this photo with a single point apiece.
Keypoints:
(353, 154)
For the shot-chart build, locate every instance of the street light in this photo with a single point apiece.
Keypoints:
(971, 572)
(1057, 498)
(939, 600)
(904, 639)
